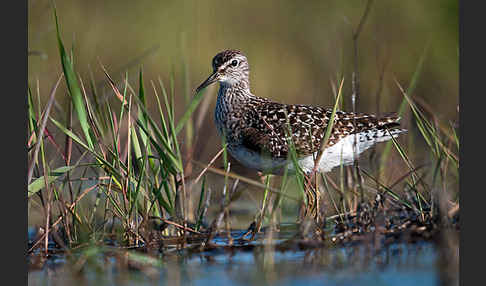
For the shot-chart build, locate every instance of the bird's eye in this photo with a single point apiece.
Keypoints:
(234, 63)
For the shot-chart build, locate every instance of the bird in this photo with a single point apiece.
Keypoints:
(261, 133)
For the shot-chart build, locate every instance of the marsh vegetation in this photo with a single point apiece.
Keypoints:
(128, 181)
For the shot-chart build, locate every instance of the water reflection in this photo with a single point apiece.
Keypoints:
(256, 264)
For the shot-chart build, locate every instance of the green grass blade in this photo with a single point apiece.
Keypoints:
(329, 126)
(72, 135)
(73, 87)
(411, 87)
(135, 195)
(161, 115)
(190, 109)
(200, 205)
(39, 183)
(160, 199)
(136, 145)
(142, 116)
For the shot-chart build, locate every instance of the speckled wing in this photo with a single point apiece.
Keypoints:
(268, 128)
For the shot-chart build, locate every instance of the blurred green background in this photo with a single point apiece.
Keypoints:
(297, 50)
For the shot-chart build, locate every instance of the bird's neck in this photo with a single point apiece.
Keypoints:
(231, 96)
(231, 105)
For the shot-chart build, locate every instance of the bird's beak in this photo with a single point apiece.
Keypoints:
(211, 79)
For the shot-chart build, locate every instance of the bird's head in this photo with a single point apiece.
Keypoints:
(230, 67)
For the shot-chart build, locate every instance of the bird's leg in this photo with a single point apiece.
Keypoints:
(312, 197)
(258, 220)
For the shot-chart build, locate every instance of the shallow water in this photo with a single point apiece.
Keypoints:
(398, 265)
(257, 264)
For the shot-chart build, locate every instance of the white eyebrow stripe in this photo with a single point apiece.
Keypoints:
(239, 58)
